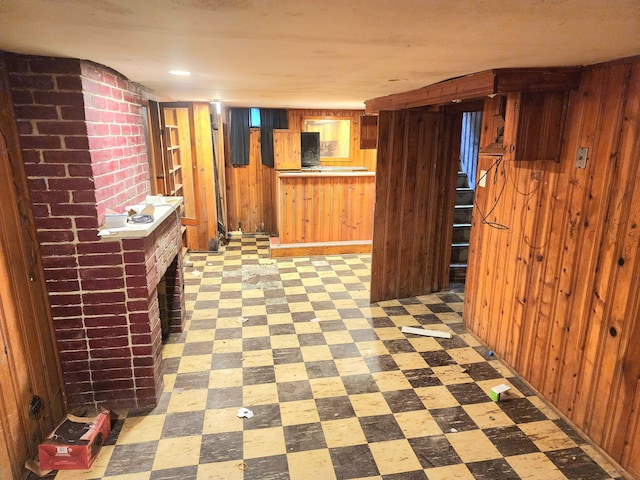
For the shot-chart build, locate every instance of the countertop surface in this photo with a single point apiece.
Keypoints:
(328, 172)
(162, 208)
(333, 168)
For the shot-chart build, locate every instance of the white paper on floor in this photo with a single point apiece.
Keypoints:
(245, 412)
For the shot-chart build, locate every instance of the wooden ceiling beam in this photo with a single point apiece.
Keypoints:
(478, 85)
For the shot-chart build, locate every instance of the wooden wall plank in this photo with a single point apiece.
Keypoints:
(250, 189)
(592, 225)
(450, 134)
(566, 327)
(188, 160)
(396, 169)
(386, 130)
(546, 293)
(30, 364)
(251, 198)
(620, 251)
(325, 208)
(414, 201)
(6, 455)
(627, 382)
(423, 271)
(406, 214)
(357, 156)
(205, 233)
(631, 452)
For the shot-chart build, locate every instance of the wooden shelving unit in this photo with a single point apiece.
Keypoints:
(174, 161)
(185, 167)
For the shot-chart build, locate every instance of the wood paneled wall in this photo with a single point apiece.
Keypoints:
(357, 156)
(325, 208)
(204, 233)
(556, 294)
(415, 195)
(29, 363)
(251, 192)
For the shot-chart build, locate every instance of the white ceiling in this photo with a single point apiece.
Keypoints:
(317, 53)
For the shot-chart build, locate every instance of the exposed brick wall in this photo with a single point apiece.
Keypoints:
(82, 138)
(147, 261)
(117, 142)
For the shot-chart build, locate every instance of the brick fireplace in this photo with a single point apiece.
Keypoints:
(82, 137)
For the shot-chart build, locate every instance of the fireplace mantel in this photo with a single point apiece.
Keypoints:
(141, 230)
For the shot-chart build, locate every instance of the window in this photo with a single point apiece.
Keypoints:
(254, 118)
(335, 136)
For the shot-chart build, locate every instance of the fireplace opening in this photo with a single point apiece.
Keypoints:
(170, 293)
(165, 324)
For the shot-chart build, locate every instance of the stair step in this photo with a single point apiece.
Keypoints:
(461, 233)
(461, 229)
(463, 180)
(457, 273)
(459, 253)
(464, 196)
(462, 214)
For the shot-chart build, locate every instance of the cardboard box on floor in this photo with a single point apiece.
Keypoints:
(75, 442)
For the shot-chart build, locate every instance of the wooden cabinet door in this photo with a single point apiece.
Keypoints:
(286, 149)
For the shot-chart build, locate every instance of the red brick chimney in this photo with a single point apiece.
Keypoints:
(82, 136)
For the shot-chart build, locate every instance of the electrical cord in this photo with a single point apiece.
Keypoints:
(484, 217)
(141, 218)
(540, 186)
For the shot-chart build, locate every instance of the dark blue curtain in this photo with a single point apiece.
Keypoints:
(239, 136)
(270, 118)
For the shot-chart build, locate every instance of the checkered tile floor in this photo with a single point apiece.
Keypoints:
(337, 390)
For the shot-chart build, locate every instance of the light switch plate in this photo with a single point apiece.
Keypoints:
(482, 181)
(581, 157)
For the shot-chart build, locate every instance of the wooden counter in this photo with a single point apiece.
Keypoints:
(326, 209)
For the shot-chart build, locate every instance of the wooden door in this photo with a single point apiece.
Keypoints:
(29, 365)
(415, 194)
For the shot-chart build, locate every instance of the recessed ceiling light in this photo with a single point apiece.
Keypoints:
(180, 73)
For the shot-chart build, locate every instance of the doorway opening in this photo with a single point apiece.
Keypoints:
(465, 193)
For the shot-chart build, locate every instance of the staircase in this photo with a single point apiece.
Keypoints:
(461, 230)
